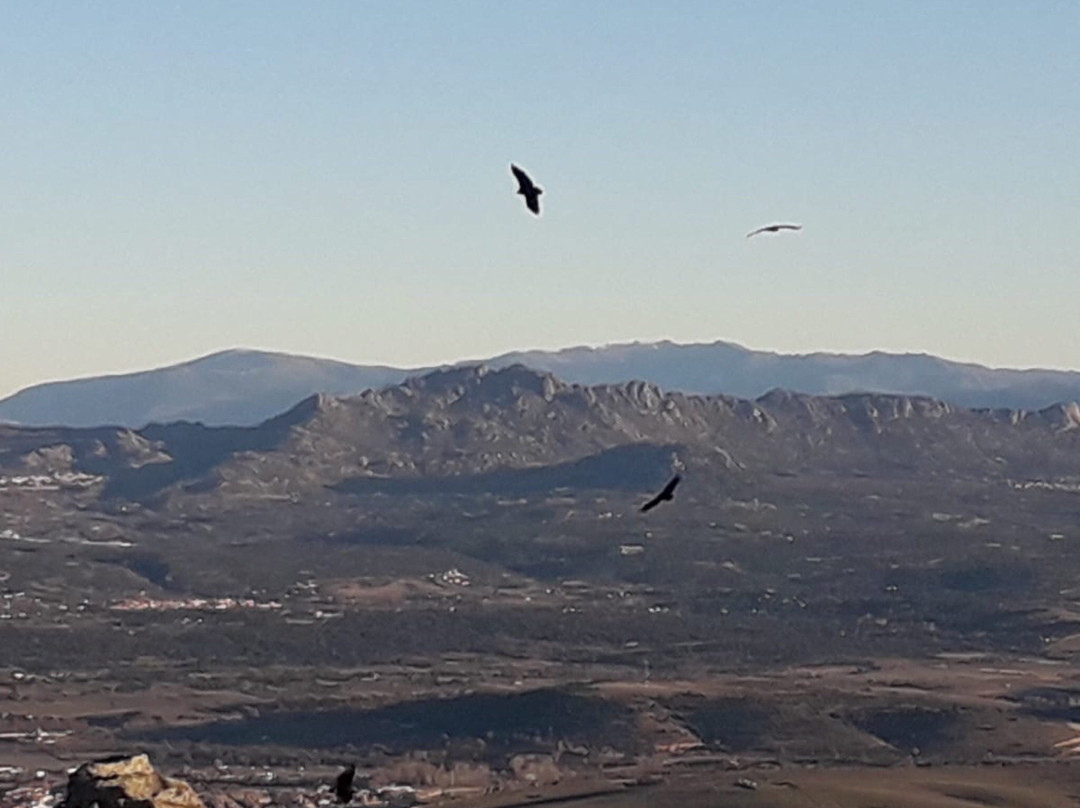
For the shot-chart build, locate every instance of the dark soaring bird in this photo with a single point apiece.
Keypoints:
(527, 189)
(666, 495)
(774, 228)
(343, 786)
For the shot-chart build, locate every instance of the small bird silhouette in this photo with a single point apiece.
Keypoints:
(343, 786)
(774, 228)
(528, 189)
(666, 495)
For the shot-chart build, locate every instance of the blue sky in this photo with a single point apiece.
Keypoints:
(332, 179)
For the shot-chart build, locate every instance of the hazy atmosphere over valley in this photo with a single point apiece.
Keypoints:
(487, 403)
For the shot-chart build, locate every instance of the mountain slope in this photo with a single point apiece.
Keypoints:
(246, 387)
(231, 387)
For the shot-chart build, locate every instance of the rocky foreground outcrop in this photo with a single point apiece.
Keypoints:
(127, 782)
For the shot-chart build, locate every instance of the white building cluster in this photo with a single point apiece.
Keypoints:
(145, 603)
(49, 482)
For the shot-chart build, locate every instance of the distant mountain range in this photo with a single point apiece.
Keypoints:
(516, 431)
(245, 387)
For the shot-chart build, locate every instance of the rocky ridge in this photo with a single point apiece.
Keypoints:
(244, 387)
(519, 427)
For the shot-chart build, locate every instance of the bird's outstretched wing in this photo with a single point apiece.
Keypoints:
(773, 228)
(525, 184)
(663, 496)
(532, 201)
(652, 503)
(669, 489)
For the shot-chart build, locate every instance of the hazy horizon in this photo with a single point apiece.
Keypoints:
(334, 180)
(480, 358)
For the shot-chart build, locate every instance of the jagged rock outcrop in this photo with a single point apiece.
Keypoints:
(127, 782)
